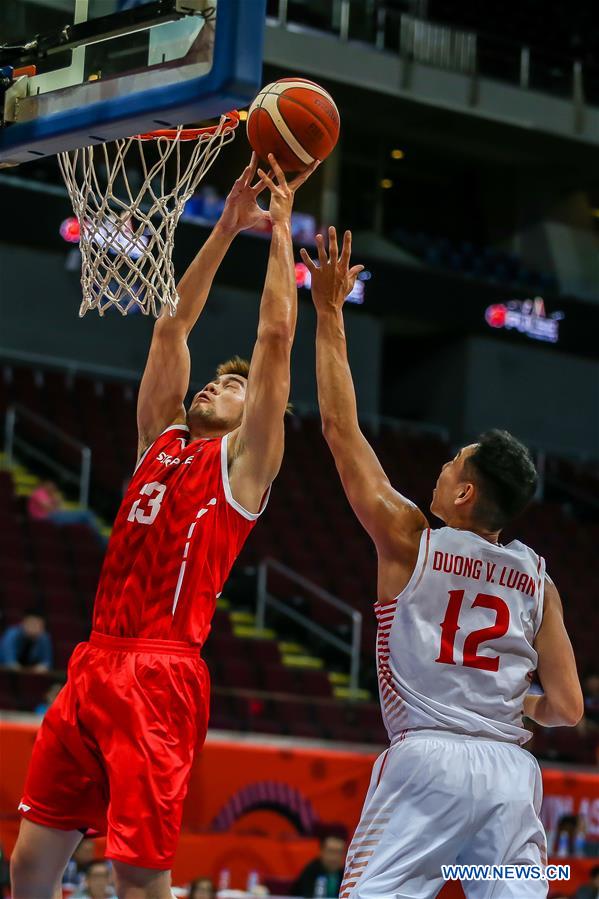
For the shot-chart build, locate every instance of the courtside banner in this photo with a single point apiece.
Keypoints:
(248, 795)
(571, 792)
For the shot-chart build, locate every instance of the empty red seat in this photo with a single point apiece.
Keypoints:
(278, 679)
(8, 689)
(314, 683)
(264, 652)
(63, 650)
(238, 673)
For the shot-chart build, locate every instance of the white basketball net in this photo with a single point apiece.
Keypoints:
(128, 209)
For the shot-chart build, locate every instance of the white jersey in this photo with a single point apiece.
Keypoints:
(455, 648)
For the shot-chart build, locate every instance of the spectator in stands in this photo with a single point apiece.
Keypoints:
(51, 694)
(27, 645)
(97, 882)
(567, 828)
(82, 857)
(202, 888)
(589, 890)
(46, 504)
(591, 698)
(322, 877)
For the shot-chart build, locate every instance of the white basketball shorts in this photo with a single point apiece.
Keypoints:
(438, 799)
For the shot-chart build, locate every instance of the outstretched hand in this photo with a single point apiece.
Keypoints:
(332, 278)
(241, 206)
(282, 192)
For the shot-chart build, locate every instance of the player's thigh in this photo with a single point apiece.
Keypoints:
(65, 788)
(133, 882)
(508, 828)
(143, 827)
(411, 825)
(40, 855)
(165, 697)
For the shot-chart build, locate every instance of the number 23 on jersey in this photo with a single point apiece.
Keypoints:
(145, 509)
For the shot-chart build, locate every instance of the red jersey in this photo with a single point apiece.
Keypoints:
(175, 538)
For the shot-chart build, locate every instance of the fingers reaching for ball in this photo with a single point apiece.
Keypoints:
(281, 179)
(332, 278)
(278, 171)
(303, 176)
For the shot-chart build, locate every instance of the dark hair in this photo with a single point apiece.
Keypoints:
(505, 475)
(94, 863)
(234, 366)
(195, 883)
(332, 836)
(34, 613)
(238, 366)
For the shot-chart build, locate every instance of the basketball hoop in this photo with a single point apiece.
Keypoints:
(128, 199)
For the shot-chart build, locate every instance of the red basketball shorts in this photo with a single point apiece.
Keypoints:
(114, 753)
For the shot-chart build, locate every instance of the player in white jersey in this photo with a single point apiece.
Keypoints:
(463, 624)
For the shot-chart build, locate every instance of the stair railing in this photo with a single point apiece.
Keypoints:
(12, 439)
(264, 600)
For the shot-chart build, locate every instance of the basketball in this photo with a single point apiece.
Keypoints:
(295, 119)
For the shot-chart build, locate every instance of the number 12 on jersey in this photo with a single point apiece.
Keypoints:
(450, 627)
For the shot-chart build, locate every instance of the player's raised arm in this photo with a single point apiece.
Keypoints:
(393, 522)
(562, 703)
(256, 448)
(166, 377)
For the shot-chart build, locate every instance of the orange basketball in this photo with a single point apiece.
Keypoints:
(295, 119)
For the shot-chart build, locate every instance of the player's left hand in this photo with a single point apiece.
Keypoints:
(241, 206)
(332, 278)
(282, 192)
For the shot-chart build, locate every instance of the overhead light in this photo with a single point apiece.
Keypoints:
(243, 114)
(386, 183)
(397, 154)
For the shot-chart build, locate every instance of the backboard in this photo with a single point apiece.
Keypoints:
(89, 71)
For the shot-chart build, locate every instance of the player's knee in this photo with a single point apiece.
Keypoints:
(141, 883)
(22, 862)
(28, 876)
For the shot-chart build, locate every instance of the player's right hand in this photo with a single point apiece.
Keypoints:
(282, 192)
(332, 278)
(241, 206)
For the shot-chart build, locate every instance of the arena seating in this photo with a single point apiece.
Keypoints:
(308, 526)
(470, 261)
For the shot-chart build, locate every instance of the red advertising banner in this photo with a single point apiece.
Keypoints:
(260, 805)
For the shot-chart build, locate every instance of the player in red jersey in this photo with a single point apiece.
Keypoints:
(115, 750)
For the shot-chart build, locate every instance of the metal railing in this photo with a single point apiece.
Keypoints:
(264, 599)
(437, 45)
(442, 44)
(12, 440)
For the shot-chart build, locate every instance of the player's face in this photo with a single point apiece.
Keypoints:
(97, 881)
(219, 405)
(332, 854)
(450, 484)
(203, 890)
(33, 626)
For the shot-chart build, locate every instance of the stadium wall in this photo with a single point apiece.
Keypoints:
(549, 400)
(39, 303)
